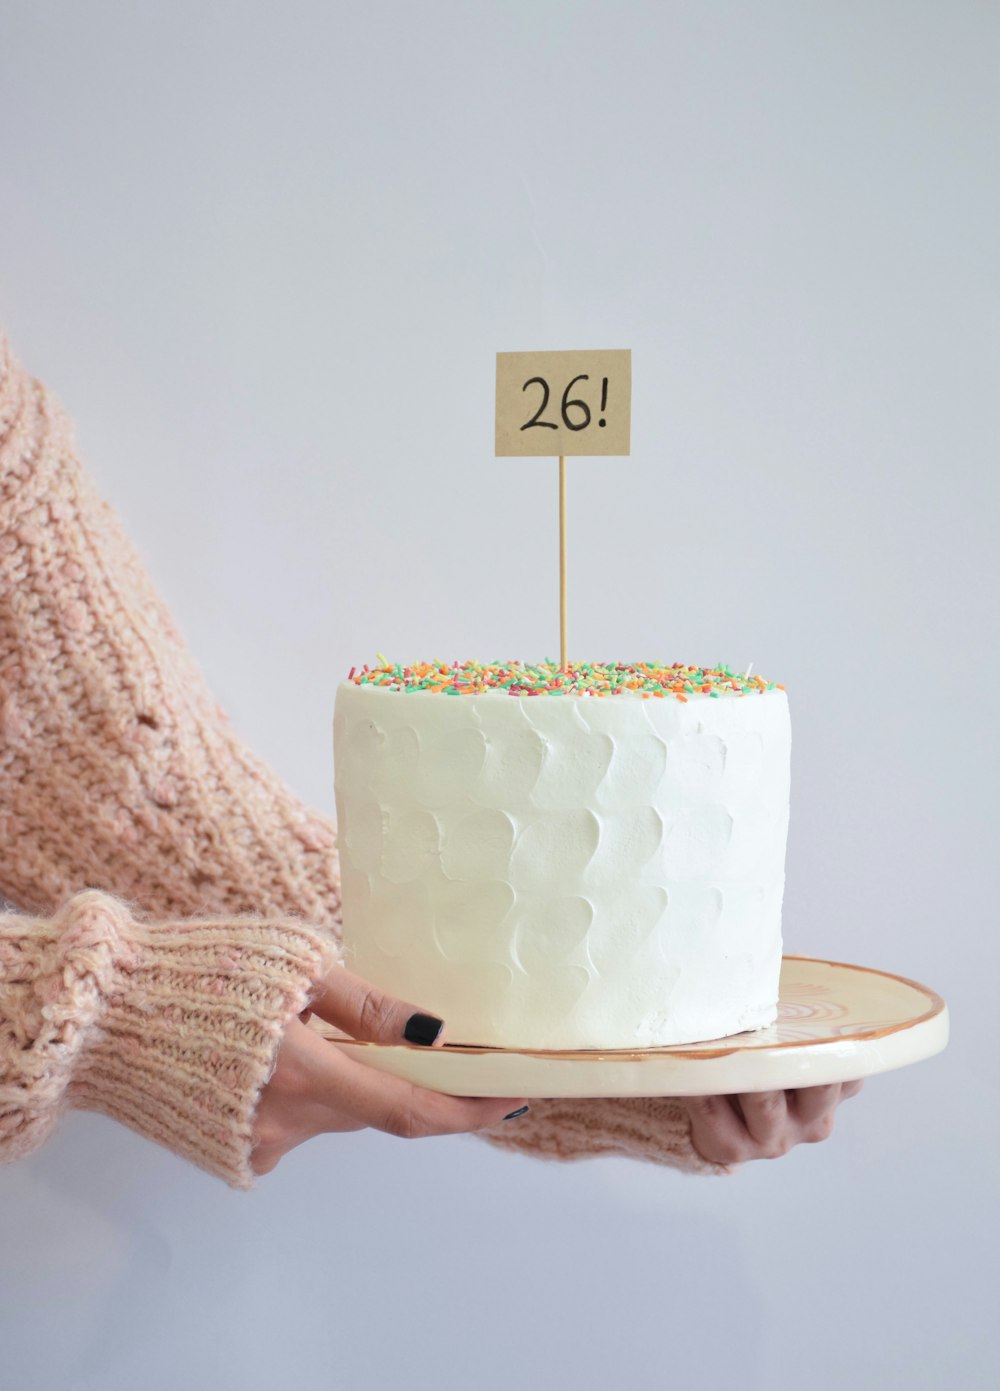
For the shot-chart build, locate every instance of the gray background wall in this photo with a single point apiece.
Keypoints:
(265, 254)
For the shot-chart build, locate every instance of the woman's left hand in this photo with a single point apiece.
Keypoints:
(764, 1125)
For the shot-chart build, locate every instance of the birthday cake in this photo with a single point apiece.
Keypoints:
(548, 858)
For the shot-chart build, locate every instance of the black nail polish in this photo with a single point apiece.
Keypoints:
(422, 1028)
(519, 1112)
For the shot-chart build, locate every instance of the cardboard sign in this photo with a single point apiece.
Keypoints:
(564, 403)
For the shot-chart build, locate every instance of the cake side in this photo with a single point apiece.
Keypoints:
(566, 873)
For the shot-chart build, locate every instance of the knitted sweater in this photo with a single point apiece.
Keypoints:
(176, 903)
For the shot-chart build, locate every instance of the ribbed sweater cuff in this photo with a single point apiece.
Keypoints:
(653, 1128)
(172, 1028)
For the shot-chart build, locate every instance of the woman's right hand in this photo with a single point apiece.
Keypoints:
(317, 1087)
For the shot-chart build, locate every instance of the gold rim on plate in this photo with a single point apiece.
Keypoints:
(836, 1022)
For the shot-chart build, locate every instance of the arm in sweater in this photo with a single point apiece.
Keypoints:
(119, 770)
(171, 1028)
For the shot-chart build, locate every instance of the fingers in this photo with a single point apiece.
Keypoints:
(815, 1108)
(365, 1012)
(809, 1104)
(764, 1125)
(401, 1108)
(766, 1117)
(357, 1095)
(717, 1132)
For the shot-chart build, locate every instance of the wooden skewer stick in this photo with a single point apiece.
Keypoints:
(562, 561)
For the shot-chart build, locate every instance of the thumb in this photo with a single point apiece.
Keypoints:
(366, 1012)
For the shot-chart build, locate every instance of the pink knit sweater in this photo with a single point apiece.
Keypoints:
(177, 902)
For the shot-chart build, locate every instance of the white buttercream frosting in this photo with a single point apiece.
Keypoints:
(566, 872)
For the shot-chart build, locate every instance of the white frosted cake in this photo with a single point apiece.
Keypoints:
(588, 858)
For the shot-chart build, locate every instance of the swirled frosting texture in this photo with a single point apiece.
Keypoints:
(566, 873)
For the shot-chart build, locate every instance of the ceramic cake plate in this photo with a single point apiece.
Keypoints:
(835, 1023)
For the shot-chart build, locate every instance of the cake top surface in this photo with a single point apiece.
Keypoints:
(644, 679)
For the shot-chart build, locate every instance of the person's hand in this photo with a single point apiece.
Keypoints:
(316, 1087)
(764, 1125)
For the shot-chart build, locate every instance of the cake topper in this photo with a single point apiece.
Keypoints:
(562, 403)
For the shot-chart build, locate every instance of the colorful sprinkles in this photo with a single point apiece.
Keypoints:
(547, 678)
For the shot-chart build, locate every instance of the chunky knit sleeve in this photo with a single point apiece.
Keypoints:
(170, 1027)
(120, 772)
(118, 768)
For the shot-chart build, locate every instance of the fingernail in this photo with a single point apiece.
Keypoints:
(422, 1028)
(519, 1112)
